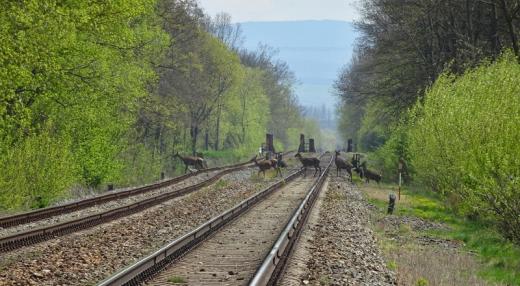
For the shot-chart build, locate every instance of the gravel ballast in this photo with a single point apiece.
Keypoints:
(89, 256)
(96, 209)
(342, 249)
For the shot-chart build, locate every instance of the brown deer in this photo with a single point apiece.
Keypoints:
(264, 165)
(194, 161)
(280, 163)
(309, 162)
(342, 164)
(369, 174)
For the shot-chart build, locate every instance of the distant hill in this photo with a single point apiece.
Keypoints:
(315, 51)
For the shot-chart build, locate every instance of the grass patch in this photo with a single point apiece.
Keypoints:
(225, 157)
(324, 280)
(392, 265)
(221, 184)
(176, 280)
(500, 258)
(422, 282)
(269, 175)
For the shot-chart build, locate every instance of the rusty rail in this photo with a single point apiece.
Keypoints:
(27, 217)
(42, 234)
(274, 263)
(149, 266)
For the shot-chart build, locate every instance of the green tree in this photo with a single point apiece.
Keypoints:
(72, 71)
(464, 142)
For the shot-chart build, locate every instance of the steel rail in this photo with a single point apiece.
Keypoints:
(46, 233)
(149, 266)
(36, 215)
(275, 262)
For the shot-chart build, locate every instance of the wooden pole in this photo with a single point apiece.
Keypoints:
(400, 178)
(399, 185)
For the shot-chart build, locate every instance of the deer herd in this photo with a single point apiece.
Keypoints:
(313, 162)
(277, 164)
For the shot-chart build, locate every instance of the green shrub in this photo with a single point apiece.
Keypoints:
(36, 172)
(464, 142)
(422, 282)
(176, 280)
(386, 158)
(140, 166)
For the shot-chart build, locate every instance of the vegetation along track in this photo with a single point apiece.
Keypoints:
(31, 237)
(230, 247)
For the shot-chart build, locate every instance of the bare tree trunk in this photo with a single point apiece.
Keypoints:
(217, 137)
(206, 140)
(244, 102)
(512, 33)
(469, 21)
(194, 132)
(495, 41)
(184, 138)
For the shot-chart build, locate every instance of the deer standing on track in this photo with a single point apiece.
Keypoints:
(342, 164)
(309, 162)
(194, 161)
(280, 162)
(265, 165)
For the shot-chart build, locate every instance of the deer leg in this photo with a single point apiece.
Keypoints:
(186, 168)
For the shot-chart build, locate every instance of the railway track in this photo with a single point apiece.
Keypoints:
(229, 249)
(34, 236)
(32, 216)
(27, 238)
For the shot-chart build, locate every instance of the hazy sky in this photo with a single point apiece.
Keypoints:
(283, 10)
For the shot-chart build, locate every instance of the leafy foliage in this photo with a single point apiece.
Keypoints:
(70, 75)
(405, 46)
(464, 141)
(36, 172)
(428, 85)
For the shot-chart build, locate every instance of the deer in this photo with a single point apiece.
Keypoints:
(204, 162)
(342, 164)
(194, 161)
(280, 162)
(309, 162)
(264, 165)
(369, 174)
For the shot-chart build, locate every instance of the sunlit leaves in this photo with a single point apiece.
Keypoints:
(464, 141)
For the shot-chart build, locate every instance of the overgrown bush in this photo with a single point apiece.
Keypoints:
(386, 158)
(464, 142)
(141, 167)
(36, 172)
